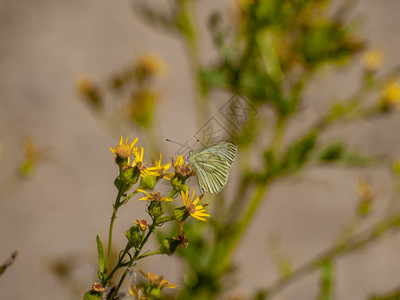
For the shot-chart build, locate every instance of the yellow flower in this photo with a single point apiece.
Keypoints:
(157, 281)
(144, 172)
(159, 168)
(142, 224)
(391, 94)
(150, 64)
(153, 196)
(182, 169)
(373, 59)
(122, 150)
(196, 211)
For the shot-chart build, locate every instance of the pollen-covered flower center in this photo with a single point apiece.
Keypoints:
(183, 170)
(124, 150)
(191, 208)
(155, 196)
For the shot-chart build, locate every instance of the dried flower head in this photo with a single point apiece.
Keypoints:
(183, 241)
(97, 287)
(153, 196)
(142, 224)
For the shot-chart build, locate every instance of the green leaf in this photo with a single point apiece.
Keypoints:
(297, 154)
(101, 255)
(337, 153)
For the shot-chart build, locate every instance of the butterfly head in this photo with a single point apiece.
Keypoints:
(190, 154)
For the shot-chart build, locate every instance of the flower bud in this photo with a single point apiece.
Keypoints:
(179, 185)
(168, 246)
(181, 214)
(155, 209)
(127, 178)
(134, 236)
(148, 182)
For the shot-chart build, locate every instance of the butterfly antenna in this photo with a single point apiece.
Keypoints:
(168, 140)
(194, 147)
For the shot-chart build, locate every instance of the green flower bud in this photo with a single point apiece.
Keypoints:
(148, 183)
(134, 236)
(92, 295)
(168, 246)
(155, 209)
(181, 214)
(128, 177)
(179, 185)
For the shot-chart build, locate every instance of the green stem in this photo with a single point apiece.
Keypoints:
(138, 249)
(150, 254)
(114, 215)
(118, 264)
(279, 130)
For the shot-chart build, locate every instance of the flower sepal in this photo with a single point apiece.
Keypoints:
(127, 178)
(168, 246)
(156, 209)
(134, 236)
(181, 214)
(148, 182)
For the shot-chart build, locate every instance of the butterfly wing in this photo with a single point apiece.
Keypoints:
(212, 166)
(227, 150)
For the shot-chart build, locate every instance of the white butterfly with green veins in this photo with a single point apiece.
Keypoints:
(212, 165)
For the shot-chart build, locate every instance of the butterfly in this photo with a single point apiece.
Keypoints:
(212, 165)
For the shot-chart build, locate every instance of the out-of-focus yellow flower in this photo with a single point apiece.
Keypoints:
(142, 224)
(31, 150)
(365, 191)
(84, 84)
(33, 154)
(150, 64)
(124, 150)
(196, 211)
(391, 94)
(153, 196)
(91, 93)
(157, 281)
(373, 59)
(137, 293)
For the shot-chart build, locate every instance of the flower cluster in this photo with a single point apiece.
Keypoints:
(138, 177)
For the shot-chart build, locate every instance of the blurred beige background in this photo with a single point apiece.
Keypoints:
(45, 45)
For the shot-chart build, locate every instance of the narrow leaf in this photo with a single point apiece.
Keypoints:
(101, 255)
